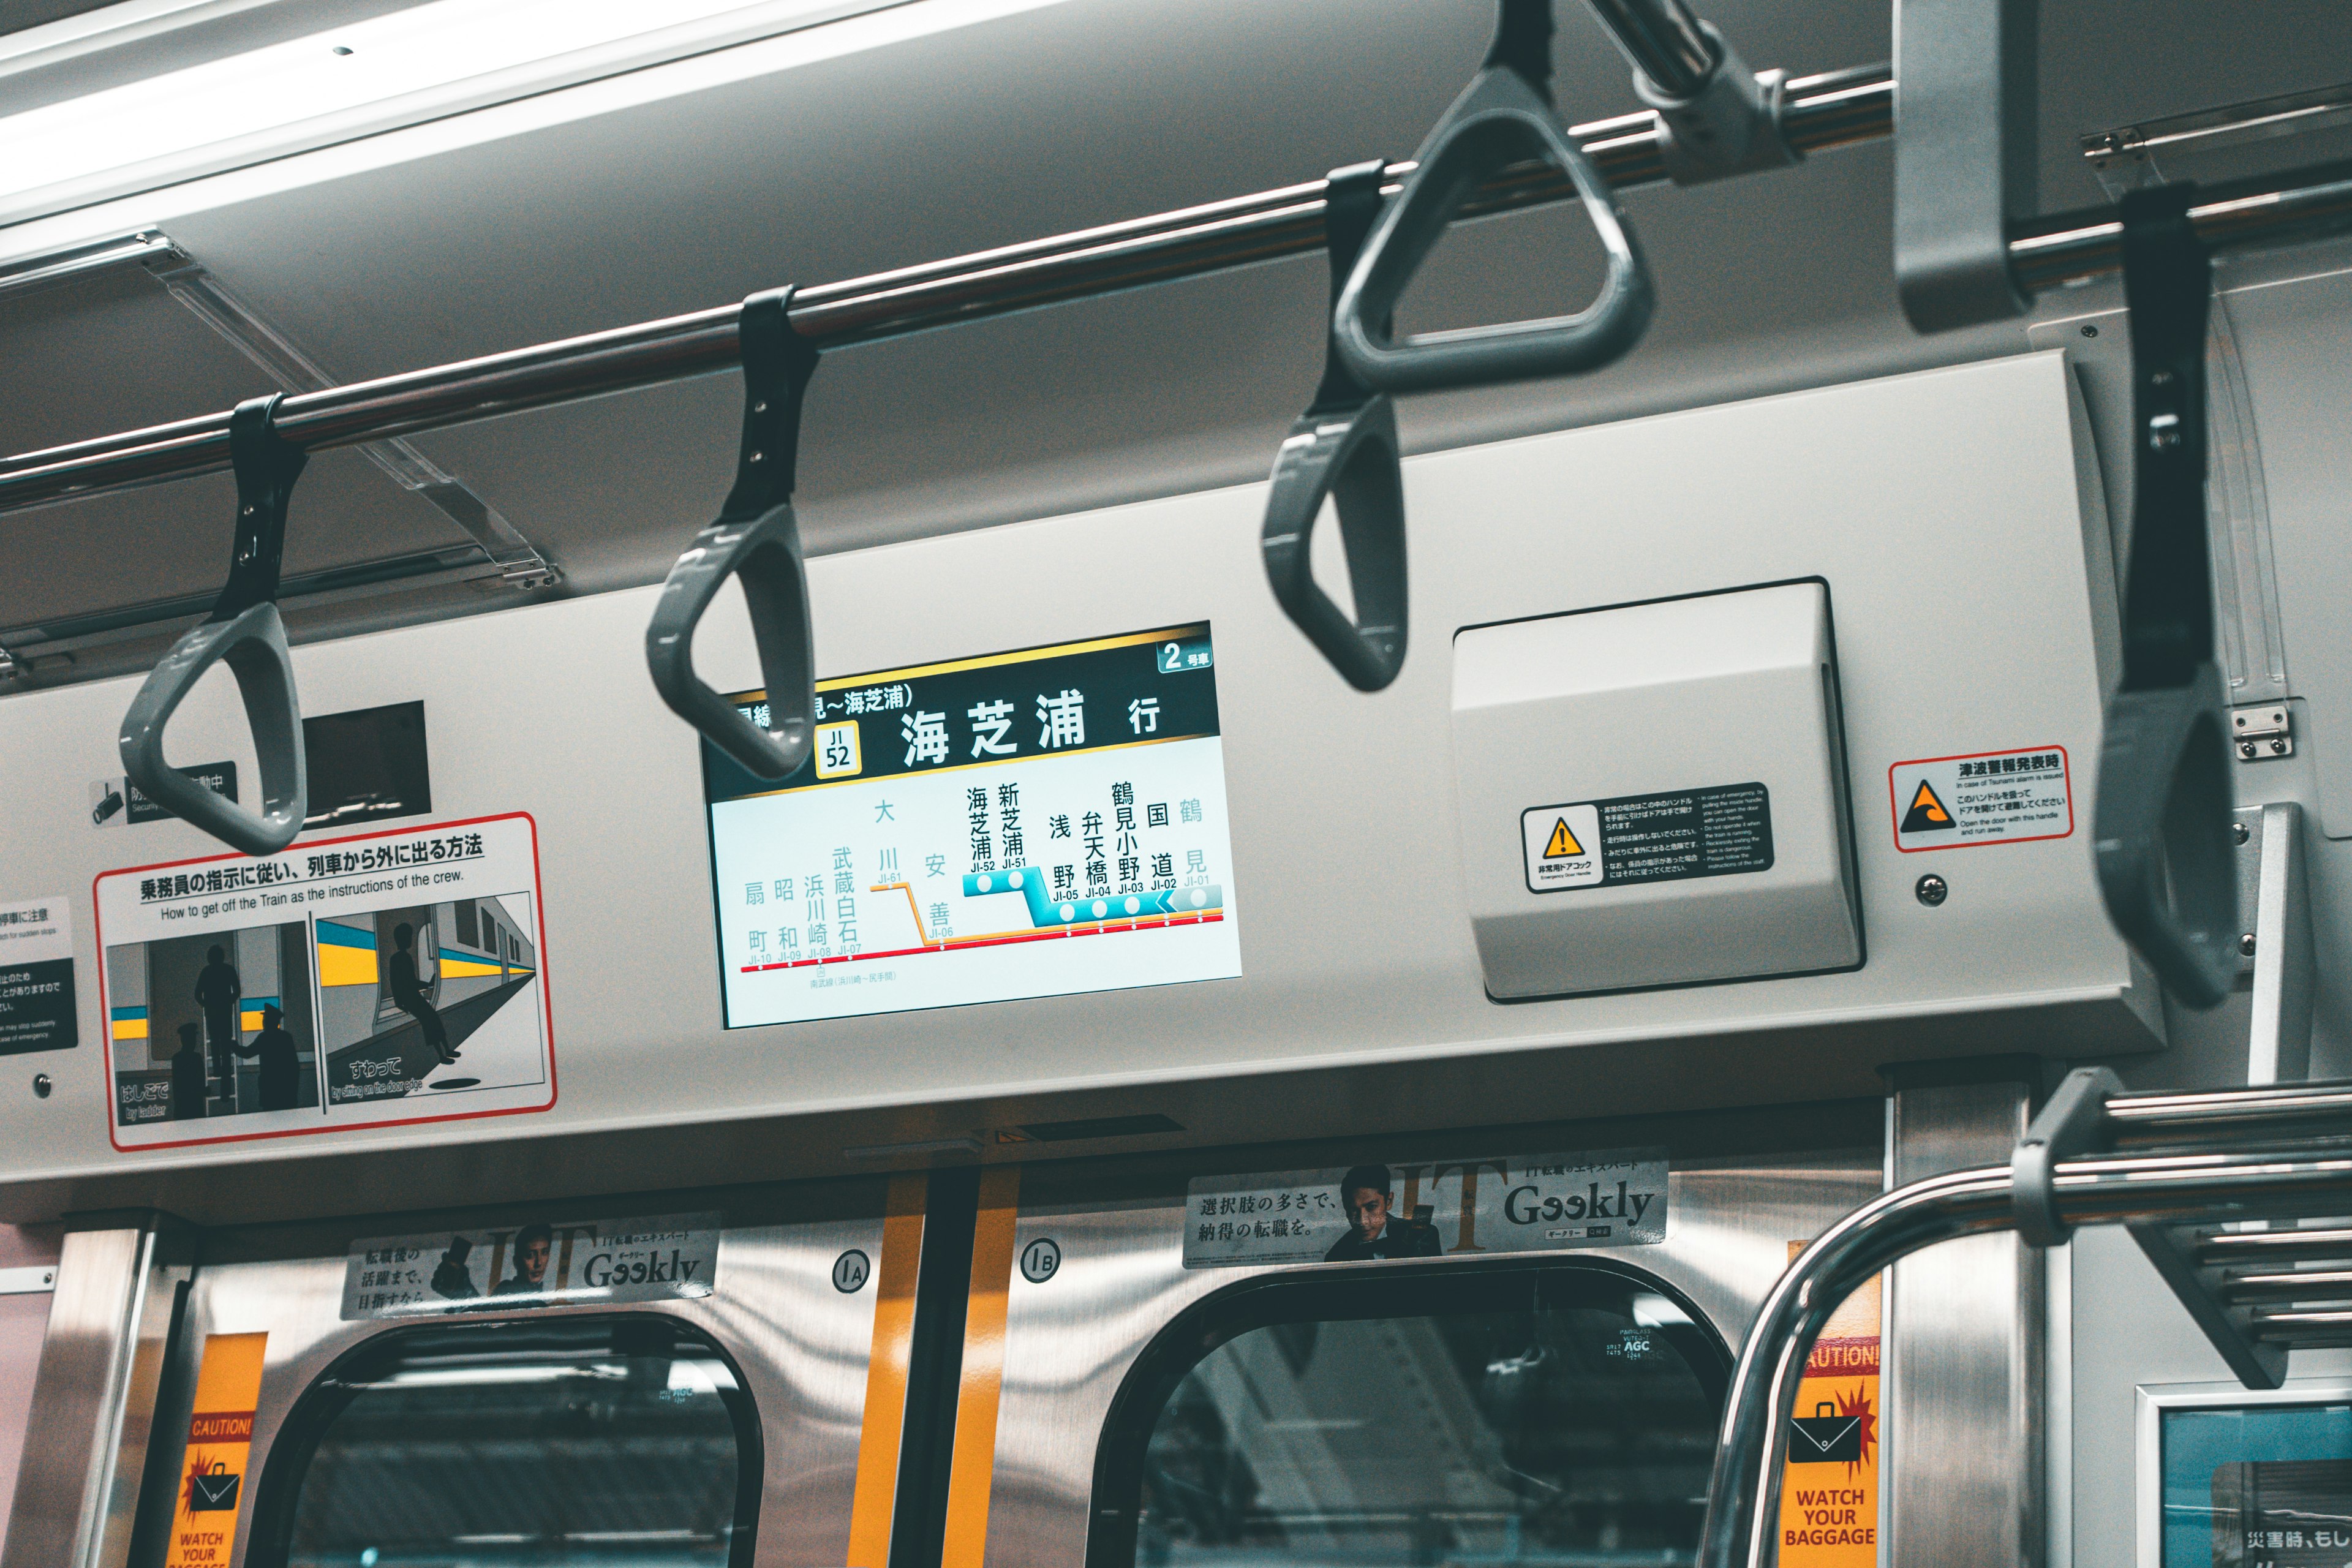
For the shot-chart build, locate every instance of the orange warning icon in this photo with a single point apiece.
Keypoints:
(1927, 814)
(1564, 843)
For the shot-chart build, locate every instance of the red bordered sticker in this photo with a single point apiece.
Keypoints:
(1982, 798)
(369, 981)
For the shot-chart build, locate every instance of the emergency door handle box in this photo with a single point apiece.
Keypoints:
(1655, 794)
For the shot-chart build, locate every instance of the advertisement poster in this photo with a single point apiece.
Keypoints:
(36, 977)
(1829, 1494)
(559, 1263)
(964, 831)
(1437, 1208)
(351, 982)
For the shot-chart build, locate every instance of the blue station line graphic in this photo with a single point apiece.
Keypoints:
(1045, 912)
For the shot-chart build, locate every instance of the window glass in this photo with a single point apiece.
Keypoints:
(1575, 1424)
(618, 1442)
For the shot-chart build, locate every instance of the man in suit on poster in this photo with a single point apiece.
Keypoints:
(1373, 1230)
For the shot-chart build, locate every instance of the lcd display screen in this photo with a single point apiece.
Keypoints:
(2260, 1485)
(968, 831)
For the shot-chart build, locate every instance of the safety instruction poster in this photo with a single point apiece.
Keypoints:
(1377, 1211)
(351, 982)
(220, 1447)
(558, 1262)
(36, 977)
(1829, 1494)
(979, 831)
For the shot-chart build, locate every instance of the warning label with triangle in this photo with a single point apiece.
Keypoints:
(1563, 847)
(1983, 798)
(1927, 814)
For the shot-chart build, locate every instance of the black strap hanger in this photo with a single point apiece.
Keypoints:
(755, 538)
(2161, 827)
(1504, 117)
(246, 632)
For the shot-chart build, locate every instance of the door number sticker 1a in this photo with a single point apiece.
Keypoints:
(1984, 797)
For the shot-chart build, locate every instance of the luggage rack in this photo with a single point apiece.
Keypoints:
(2211, 1184)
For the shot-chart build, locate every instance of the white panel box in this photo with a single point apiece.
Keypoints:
(1655, 794)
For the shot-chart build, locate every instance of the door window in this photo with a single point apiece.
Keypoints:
(1556, 1416)
(623, 1442)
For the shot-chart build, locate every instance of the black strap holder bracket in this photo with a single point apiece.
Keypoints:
(1344, 448)
(246, 632)
(756, 540)
(1504, 117)
(2161, 826)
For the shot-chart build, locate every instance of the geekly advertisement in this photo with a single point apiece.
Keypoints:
(353, 981)
(550, 1263)
(1377, 1211)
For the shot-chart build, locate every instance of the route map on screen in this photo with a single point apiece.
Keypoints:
(968, 831)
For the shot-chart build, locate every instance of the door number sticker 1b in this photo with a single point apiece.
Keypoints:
(1985, 797)
(1648, 838)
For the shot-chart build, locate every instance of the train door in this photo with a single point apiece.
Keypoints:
(703, 1378)
(1525, 1362)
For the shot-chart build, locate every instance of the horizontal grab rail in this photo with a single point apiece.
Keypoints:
(1743, 1495)
(1819, 113)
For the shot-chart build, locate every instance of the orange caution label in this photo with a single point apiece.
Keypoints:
(220, 1441)
(1829, 1494)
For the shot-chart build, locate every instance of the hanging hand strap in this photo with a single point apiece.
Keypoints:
(1344, 448)
(1503, 117)
(245, 632)
(2166, 869)
(756, 540)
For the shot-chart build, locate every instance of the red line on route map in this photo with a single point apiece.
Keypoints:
(1056, 935)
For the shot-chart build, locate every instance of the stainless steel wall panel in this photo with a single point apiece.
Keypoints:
(1965, 1344)
(800, 1344)
(94, 1399)
(1071, 1339)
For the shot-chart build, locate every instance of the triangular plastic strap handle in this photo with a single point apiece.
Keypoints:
(1344, 448)
(1502, 118)
(2160, 829)
(756, 540)
(245, 632)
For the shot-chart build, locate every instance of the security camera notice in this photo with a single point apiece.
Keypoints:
(353, 981)
(1382, 1209)
(534, 1263)
(964, 831)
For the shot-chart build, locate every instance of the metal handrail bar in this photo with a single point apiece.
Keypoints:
(1834, 110)
(1744, 1494)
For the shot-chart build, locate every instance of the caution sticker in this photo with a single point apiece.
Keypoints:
(1985, 797)
(1662, 837)
(220, 1441)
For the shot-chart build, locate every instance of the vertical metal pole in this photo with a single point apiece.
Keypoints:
(118, 1294)
(1965, 1342)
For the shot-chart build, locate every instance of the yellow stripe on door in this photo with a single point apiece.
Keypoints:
(220, 1441)
(973, 1471)
(885, 1373)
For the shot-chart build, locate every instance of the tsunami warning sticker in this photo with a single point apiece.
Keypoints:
(1985, 797)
